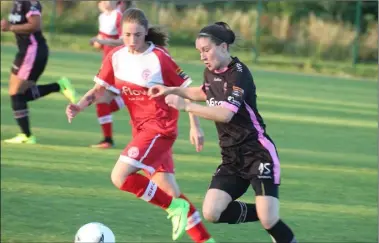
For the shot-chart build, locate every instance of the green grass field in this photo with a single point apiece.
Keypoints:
(325, 129)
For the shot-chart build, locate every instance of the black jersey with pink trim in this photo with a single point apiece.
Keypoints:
(235, 90)
(20, 13)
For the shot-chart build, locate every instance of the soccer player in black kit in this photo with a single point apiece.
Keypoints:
(30, 62)
(249, 156)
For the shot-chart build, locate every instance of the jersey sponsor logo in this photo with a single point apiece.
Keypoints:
(14, 18)
(181, 73)
(146, 74)
(213, 102)
(133, 92)
(232, 101)
(133, 152)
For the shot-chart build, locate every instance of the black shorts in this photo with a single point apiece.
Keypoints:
(30, 65)
(254, 163)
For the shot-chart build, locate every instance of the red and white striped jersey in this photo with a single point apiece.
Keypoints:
(130, 76)
(110, 24)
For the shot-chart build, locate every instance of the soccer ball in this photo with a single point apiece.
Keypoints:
(94, 233)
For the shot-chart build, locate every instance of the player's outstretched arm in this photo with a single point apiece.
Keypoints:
(98, 94)
(33, 24)
(191, 93)
(107, 42)
(196, 132)
(214, 113)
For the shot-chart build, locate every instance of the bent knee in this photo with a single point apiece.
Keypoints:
(268, 221)
(117, 180)
(211, 214)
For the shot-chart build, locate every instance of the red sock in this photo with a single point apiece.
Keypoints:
(195, 228)
(116, 104)
(105, 119)
(147, 190)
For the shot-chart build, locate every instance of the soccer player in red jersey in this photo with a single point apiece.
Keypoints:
(109, 30)
(129, 71)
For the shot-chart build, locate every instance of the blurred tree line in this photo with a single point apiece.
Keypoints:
(328, 10)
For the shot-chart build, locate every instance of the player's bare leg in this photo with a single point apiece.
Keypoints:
(195, 228)
(125, 178)
(268, 213)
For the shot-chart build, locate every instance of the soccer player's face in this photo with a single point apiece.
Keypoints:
(133, 35)
(211, 54)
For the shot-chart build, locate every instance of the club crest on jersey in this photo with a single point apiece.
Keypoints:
(146, 74)
(133, 152)
(181, 73)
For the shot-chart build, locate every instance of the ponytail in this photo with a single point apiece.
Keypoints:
(157, 35)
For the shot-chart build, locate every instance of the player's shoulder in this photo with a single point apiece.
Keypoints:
(118, 11)
(115, 50)
(33, 5)
(236, 67)
(161, 52)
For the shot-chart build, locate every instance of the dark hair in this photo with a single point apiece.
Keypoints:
(155, 34)
(127, 3)
(218, 32)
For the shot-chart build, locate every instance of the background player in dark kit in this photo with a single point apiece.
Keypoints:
(29, 64)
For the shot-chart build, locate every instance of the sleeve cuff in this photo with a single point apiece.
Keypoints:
(33, 12)
(186, 83)
(230, 107)
(106, 85)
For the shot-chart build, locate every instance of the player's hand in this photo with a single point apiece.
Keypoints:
(176, 102)
(5, 25)
(95, 42)
(197, 138)
(71, 111)
(92, 40)
(157, 91)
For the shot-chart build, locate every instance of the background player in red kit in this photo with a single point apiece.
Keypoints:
(109, 29)
(129, 71)
(30, 62)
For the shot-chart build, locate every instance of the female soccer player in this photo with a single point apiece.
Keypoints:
(128, 71)
(29, 64)
(109, 29)
(109, 33)
(249, 156)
